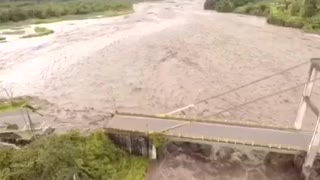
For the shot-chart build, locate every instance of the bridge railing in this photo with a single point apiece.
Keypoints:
(211, 120)
(203, 139)
(306, 96)
(305, 103)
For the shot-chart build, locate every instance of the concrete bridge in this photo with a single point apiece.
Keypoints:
(275, 139)
(272, 138)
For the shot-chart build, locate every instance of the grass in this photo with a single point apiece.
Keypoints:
(16, 32)
(7, 106)
(39, 31)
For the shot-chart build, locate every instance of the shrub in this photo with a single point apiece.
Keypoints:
(294, 21)
(280, 18)
(307, 11)
(52, 11)
(82, 9)
(225, 6)
(17, 14)
(309, 8)
(313, 24)
(238, 3)
(2, 39)
(275, 20)
(258, 9)
(39, 13)
(294, 8)
(41, 29)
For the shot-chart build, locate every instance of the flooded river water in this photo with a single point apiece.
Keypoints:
(166, 55)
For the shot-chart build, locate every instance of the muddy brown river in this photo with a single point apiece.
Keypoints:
(166, 55)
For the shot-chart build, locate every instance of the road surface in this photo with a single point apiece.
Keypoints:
(298, 140)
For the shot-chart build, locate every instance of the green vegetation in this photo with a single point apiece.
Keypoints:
(282, 19)
(2, 38)
(71, 156)
(7, 106)
(40, 11)
(303, 14)
(39, 31)
(258, 9)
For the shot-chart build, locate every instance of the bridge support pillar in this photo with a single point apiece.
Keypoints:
(152, 150)
(129, 143)
(314, 68)
(313, 149)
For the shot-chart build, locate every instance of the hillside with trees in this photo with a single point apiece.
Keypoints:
(14, 11)
(303, 14)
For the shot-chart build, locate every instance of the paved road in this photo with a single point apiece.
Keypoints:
(258, 136)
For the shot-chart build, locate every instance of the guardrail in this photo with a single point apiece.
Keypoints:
(204, 139)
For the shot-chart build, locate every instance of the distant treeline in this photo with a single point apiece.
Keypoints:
(41, 9)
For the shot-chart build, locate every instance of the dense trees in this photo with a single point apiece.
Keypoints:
(22, 10)
(292, 13)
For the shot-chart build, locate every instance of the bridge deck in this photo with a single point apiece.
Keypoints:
(266, 137)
